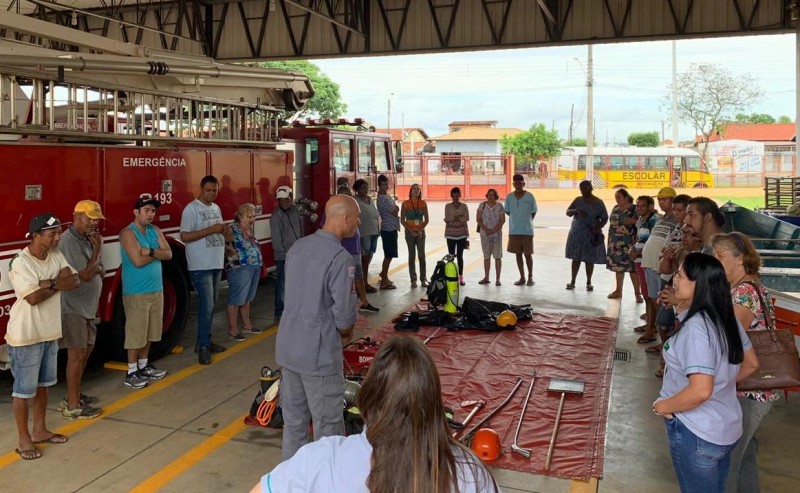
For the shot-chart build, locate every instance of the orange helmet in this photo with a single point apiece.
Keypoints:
(506, 318)
(486, 444)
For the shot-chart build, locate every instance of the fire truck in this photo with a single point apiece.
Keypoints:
(130, 121)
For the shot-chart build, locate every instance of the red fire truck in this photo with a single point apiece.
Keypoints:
(169, 120)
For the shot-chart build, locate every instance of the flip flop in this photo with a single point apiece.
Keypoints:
(519, 283)
(640, 328)
(614, 295)
(370, 289)
(639, 298)
(653, 349)
(30, 454)
(643, 316)
(646, 339)
(55, 438)
(570, 286)
(589, 287)
(484, 281)
(389, 286)
(498, 283)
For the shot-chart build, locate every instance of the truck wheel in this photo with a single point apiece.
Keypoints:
(176, 313)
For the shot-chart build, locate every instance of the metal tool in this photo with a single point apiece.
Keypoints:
(436, 333)
(477, 407)
(491, 414)
(565, 387)
(514, 447)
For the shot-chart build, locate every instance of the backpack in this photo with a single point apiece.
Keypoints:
(437, 287)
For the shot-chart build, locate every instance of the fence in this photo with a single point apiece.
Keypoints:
(437, 175)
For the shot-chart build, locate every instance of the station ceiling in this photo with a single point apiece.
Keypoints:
(238, 30)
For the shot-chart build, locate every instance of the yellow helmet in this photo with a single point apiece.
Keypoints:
(506, 318)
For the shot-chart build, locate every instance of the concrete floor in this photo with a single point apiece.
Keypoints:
(185, 431)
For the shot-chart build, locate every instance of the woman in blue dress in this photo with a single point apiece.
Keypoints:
(586, 242)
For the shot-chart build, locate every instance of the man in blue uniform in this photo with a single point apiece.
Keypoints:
(319, 313)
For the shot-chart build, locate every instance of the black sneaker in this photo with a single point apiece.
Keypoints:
(238, 337)
(135, 381)
(216, 348)
(370, 308)
(204, 356)
(150, 372)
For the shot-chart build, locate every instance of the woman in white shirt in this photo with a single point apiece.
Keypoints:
(406, 444)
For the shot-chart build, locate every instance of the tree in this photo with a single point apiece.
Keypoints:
(575, 142)
(532, 144)
(784, 119)
(327, 102)
(754, 118)
(709, 95)
(644, 139)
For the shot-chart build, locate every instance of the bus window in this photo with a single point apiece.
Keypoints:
(582, 163)
(381, 156)
(616, 163)
(341, 154)
(631, 163)
(598, 162)
(364, 155)
(656, 162)
(694, 164)
(312, 150)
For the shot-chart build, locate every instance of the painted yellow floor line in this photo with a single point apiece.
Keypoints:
(153, 388)
(183, 463)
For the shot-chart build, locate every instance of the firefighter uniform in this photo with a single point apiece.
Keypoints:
(320, 299)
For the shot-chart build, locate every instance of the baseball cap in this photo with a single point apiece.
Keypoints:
(90, 208)
(518, 178)
(43, 221)
(283, 192)
(147, 200)
(666, 193)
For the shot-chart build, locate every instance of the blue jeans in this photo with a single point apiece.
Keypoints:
(701, 466)
(206, 283)
(280, 284)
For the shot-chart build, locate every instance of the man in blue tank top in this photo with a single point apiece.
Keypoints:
(143, 249)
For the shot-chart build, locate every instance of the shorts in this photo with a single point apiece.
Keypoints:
(520, 244)
(33, 366)
(359, 272)
(654, 283)
(76, 331)
(642, 279)
(492, 246)
(389, 241)
(148, 318)
(369, 245)
(242, 284)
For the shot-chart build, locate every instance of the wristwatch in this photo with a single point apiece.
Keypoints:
(53, 283)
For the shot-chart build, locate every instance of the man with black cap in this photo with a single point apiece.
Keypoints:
(38, 273)
(143, 249)
(81, 244)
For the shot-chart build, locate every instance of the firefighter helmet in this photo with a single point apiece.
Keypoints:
(486, 444)
(506, 318)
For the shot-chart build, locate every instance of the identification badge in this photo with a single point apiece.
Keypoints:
(416, 222)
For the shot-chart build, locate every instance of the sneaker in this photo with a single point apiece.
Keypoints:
(253, 330)
(238, 337)
(204, 356)
(86, 400)
(135, 380)
(83, 412)
(370, 308)
(150, 372)
(216, 348)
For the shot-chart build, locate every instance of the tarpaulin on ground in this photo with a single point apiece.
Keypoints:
(485, 365)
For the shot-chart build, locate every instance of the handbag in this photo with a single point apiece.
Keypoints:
(779, 361)
(480, 208)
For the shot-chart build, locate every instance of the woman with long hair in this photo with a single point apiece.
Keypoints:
(414, 217)
(406, 445)
(243, 269)
(753, 308)
(585, 242)
(456, 232)
(705, 359)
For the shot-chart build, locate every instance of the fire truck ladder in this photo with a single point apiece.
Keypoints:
(136, 94)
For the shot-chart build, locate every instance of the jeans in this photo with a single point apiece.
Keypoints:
(416, 246)
(280, 285)
(456, 247)
(206, 283)
(744, 458)
(701, 466)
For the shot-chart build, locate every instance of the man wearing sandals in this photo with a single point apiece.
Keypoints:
(521, 209)
(38, 273)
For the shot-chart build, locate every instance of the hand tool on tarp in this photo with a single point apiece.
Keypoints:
(489, 416)
(565, 387)
(514, 447)
(477, 405)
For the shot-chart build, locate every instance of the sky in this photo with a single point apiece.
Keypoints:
(521, 87)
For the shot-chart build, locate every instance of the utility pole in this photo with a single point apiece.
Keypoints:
(590, 118)
(674, 94)
(389, 113)
(571, 112)
(662, 134)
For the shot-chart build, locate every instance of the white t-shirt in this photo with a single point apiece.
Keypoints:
(209, 252)
(342, 465)
(29, 324)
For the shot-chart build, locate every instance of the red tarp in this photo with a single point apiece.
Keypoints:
(481, 365)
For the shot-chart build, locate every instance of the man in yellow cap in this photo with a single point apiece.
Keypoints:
(81, 245)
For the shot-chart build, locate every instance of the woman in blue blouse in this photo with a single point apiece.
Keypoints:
(243, 268)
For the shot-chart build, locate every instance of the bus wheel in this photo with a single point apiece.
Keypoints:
(176, 313)
(700, 185)
(620, 186)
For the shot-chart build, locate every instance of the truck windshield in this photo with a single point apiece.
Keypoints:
(381, 156)
(364, 155)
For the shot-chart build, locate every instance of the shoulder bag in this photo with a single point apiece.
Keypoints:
(779, 362)
(480, 209)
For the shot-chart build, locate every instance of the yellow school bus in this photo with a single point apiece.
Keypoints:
(634, 167)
